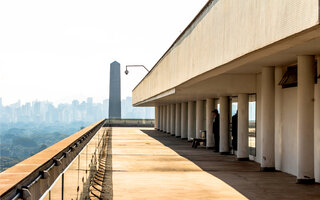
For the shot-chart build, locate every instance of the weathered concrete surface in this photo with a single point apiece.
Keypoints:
(147, 164)
(244, 31)
(144, 168)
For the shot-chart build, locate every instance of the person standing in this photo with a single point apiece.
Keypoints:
(235, 131)
(216, 129)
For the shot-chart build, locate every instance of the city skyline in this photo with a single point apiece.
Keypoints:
(88, 111)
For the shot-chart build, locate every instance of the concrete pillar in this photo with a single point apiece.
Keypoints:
(156, 117)
(178, 120)
(317, 125)
(224, 125)
(267, 119)
(172, 118)
(191, 120)
(243, 127)
(184, 120)
(199, 118)
(305, 119)
(278, 118)
(209, 121)
(160, 117)
(164, 118)
(168, 119)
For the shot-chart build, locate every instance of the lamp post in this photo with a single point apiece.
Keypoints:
(127, 71)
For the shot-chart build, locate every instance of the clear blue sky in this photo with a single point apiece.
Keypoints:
(61, 50)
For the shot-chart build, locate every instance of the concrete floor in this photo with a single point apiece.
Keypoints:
(147, 164)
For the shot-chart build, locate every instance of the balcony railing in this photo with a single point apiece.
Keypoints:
(69, 169)
(129, 123)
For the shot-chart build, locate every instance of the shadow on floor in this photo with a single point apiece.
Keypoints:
(244, 176)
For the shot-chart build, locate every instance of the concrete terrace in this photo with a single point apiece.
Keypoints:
(144, 163)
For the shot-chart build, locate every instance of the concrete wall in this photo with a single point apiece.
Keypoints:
(226, 30)
(288, 147)
(289, 131)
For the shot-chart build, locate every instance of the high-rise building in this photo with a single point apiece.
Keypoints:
(115, 91)
(89, 100)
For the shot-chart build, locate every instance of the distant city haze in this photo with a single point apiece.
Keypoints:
(61, 50)
(85, 111)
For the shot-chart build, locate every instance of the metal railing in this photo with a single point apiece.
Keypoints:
(129, 122)
(65, 175)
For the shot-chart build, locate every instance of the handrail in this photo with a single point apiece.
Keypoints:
(60, 154)
(129, 122)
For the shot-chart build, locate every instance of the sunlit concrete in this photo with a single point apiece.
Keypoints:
(144, 168)
(259, 58)
(227, 34)
(148, 164)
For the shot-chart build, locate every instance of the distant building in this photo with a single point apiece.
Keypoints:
(115, 91)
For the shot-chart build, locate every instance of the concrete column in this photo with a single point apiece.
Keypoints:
(184, 120)
(168, 119)
(243, 127)
(224, 125)
(178, 120)
(305, 119)
(267, 119)
(317, 126)
(199, 118)
(209, 121)
(278, 118)
(156, 117)
(159, 117)
(164, 118)
(172, 118)
(191, 120)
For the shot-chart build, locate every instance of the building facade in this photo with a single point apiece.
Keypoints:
(254, 61)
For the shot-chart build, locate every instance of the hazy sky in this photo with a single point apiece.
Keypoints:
(61, 50)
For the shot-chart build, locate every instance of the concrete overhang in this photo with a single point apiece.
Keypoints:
(197, 66)
(239, 76)
(222, 85)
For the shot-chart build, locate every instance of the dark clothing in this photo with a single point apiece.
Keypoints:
(235, 131)
(216, 132)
